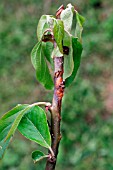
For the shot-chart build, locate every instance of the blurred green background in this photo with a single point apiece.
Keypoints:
(87, 123)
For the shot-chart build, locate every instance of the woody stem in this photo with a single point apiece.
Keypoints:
(56, 110)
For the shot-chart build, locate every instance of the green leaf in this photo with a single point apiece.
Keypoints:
(79, 26)
(34, 54)
(42, 70)
(3, 147)
(16, 122)
(58, 31)
(77, 51)
(67, 39)
(7, 120)
(67, 17)
(68, 59)
(68, 64)
(34, 126)
(38, 155)
(56, 52)
(8, 125)
(44, 23)
(40, 26)
(47, 49)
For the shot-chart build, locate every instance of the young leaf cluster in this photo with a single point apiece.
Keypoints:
(51, 30)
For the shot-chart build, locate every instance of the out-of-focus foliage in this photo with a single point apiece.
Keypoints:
(87, 123)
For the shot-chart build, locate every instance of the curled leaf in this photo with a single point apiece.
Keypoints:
(58, 31)
(42, 71)
(67, 17)
(79, 26)
(77, 51)
(47, 49)
(44, 23)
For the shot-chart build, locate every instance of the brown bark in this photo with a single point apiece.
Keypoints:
(56, 111)
(56, 104)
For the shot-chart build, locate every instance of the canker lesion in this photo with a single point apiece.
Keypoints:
(59, 92)
(59, 84)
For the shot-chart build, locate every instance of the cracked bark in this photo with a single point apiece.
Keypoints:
(56, 110)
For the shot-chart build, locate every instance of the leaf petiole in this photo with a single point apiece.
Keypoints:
(48, 104)
(52, 153)
(46, 156)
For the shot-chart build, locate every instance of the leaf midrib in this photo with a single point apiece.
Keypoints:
(21, 114)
